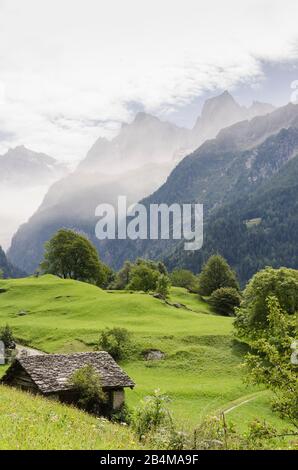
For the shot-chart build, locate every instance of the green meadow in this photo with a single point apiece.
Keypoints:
(34, 423)
(201, 371)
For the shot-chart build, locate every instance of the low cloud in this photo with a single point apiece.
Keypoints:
(69, 70)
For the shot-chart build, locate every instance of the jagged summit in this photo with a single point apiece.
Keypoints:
(222, 111)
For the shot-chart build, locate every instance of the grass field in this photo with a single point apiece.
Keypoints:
(34, 423)
(201, 371)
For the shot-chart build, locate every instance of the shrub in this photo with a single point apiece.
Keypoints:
(215, 433)
(86, 383)
(151, 415)
(122, 277)
(144, 278)
(115, 341)
(6, 336)
(163, 286)
(184, 278)
(281, 283)
(225, 300)
(123, 415)
(270, 361)
(216, 273)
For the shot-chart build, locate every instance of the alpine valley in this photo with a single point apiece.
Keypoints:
(239, 162)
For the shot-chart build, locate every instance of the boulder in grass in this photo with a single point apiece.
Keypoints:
(153, 355)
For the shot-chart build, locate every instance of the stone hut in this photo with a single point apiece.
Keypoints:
(49, 374)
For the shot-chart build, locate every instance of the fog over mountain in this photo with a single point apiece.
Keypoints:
(25, 177)
(135, 163)
(223, 111)
(140, 158)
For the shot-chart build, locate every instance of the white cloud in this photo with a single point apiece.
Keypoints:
(68, 69)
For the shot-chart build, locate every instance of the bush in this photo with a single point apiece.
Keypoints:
(123, 415)
(270, 361)
(86, 383)
(281, 283)
(184, 278)
(215, 433)
(151, 415)
(6, 336)
(216, 273)
(122, 277)
(142, 277)
(225, 300)
(115, 341)
(163, 286)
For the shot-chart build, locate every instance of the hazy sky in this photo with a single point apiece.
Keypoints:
(71, 70)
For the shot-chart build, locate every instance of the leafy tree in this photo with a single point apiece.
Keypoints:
(122, 277)
(70, 255)
(86, 382)
(216, 273)
(282, 283)
(143, 277)
(115, 341)
(163, 286)
(225, 300)
(270, 362)
(184, 278)
(162, 268)
(1, 274)
(6, 335)
(108, 276)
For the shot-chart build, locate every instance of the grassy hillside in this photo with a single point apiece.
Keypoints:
(34, 423)
(201, 371)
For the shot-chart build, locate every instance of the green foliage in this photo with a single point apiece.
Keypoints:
(143, 277)
(6, 335)
(107, 276)
(163, 286)
(86, 383)
(267, 190)
(1, 274)
(115, 341)
(122, 277)
(151, 415)
(124, 415)
(270, 362)
(282, 283)
(216, 273)
(68, 316)
(70, 255)
(216, 433)
(184, 278)
(225, 300)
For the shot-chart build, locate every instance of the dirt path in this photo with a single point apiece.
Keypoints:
(242, 401)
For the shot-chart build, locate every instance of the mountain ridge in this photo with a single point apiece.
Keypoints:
(70, 203)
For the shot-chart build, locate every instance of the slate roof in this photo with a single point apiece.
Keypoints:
(51, 372)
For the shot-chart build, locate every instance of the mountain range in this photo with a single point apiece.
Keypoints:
(25, 177)
(22, 167)
(243, 154)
